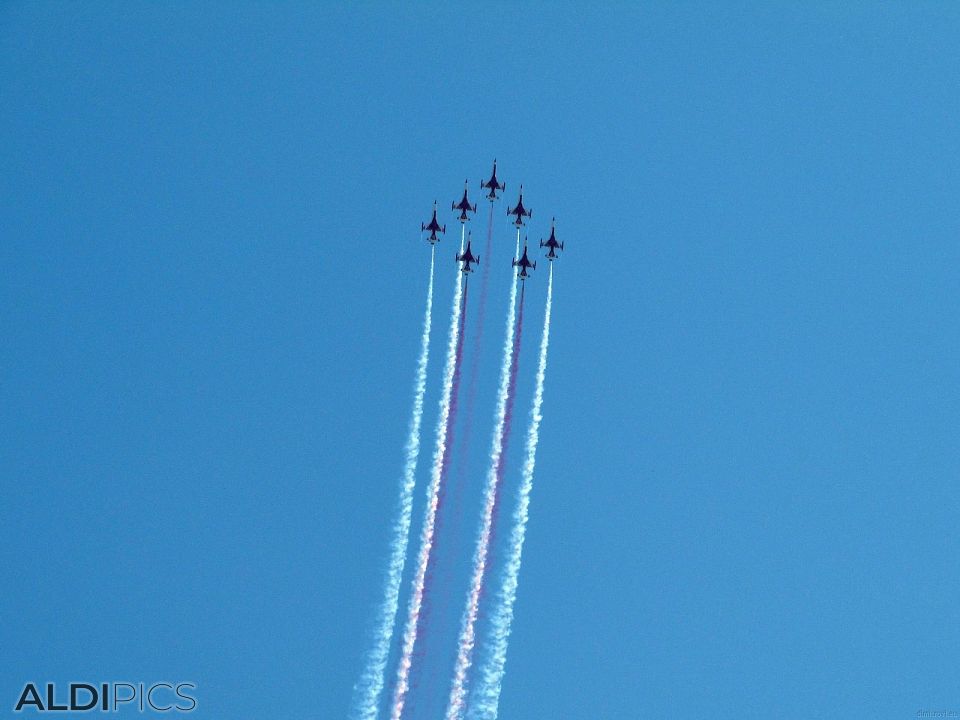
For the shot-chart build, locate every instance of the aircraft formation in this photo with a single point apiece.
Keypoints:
(519, 212)
(473, 689)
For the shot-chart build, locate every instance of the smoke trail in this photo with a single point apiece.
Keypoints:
(508, 376)
(454, 398)
(475, 360)
(491, 677)
(444, 472)
(426, 533)
(367, 692)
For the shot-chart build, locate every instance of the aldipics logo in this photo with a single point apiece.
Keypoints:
(108, 697)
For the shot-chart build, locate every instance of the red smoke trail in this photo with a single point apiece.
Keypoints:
(410, 632)
(425, 612)
(455, 490)
(475, 360)
(486, 696)
(507, 420)
(468, 621)
(454, 397)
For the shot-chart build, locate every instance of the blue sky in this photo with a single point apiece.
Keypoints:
(212, 283)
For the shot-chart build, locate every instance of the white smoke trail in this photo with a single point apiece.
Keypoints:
(367, 692)
(491, 676)
(468, 620)
(433, 491)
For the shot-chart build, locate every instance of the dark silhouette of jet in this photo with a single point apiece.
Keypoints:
(552, 243)
(493, 185)
(524, 264)
(434, 227)
(520, 211)
(466, 258)
(464, 205)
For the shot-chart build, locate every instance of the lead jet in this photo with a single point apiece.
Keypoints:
(434, 227)
(552, 243)
(466, 258)
(524, 264)
(493, 185)
(464, 205)
(520, 211)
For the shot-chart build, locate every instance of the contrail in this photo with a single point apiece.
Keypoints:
(367, 692)
(433, 491)
(508, 375)
(491, 676)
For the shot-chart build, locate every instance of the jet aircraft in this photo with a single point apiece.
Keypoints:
(464, 205)
(552, 243)
(434, 227)
(493, 185)
(466, 258)
(520, 211)
(524, 264)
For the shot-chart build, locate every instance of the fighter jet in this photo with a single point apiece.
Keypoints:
(434, 227)
(493, 185)
(552, 243)
(524, 264)
(466, 258)
(520, 211)
(464, 205)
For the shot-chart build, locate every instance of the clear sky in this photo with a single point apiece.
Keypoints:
(211, 289)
